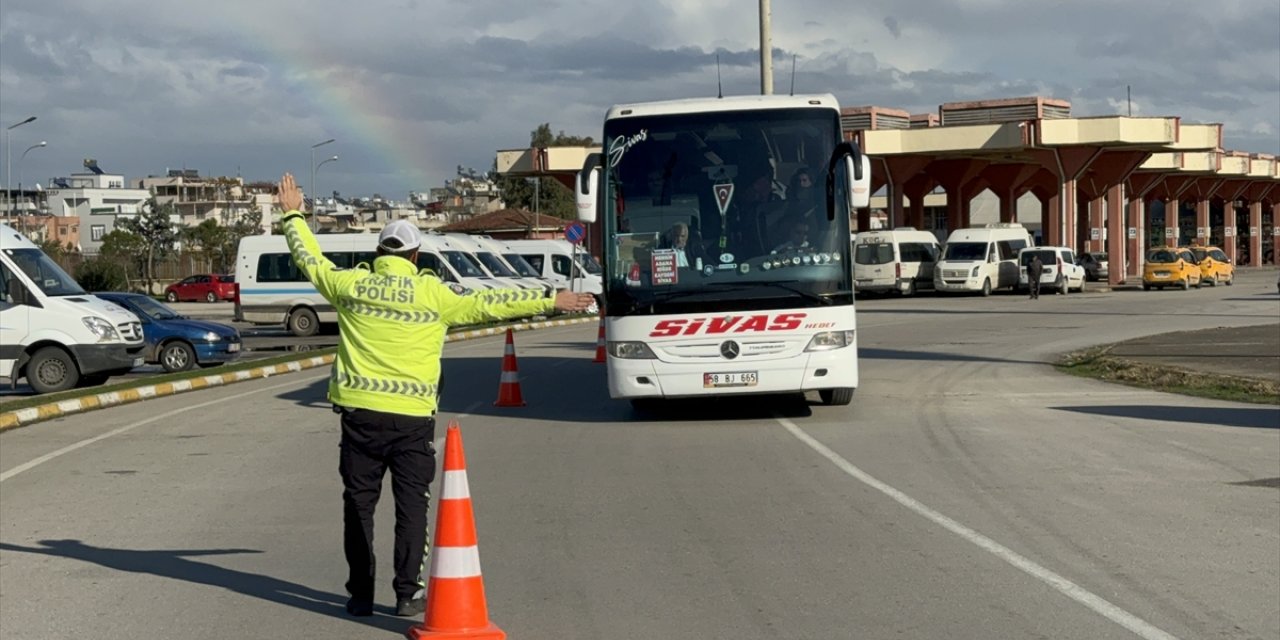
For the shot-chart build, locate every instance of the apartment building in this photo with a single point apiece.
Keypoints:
(97, 199)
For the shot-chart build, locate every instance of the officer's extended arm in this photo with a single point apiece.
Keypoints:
(496, 304)
(307, 255)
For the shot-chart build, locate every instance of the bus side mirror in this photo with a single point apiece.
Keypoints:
(586, 185)
(859, 169)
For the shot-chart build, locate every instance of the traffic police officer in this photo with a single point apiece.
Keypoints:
(392, 321)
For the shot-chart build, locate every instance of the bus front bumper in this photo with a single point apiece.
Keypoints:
(810, 371)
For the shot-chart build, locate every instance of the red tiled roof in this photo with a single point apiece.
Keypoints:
(505, 220)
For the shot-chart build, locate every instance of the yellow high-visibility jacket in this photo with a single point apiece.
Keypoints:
(393, 321)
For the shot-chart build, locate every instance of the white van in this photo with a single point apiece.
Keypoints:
(981, 259)
(553, 259)
(492, 263)
(900, 260)
(513, 260)
(270, 289)
(457, 260)
(52, 332)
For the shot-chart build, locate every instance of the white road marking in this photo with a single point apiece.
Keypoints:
(1068, 588)
(115, 432)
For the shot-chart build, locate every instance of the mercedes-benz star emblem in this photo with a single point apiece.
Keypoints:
(729, 349)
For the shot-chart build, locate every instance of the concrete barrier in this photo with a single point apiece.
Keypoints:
(92, 401)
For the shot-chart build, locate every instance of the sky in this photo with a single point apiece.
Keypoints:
(410, 89)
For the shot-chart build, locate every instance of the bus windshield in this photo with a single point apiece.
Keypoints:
(723, 210)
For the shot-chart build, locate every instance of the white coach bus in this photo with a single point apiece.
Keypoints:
(725, 272)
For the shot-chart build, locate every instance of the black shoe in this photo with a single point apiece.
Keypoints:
(360, 608)
(409, 607)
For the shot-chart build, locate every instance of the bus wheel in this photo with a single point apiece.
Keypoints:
(836, 397)
(986, 287)
(303, 322)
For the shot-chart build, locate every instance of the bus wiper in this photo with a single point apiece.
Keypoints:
(735, 286)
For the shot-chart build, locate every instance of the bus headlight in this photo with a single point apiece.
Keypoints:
(975, 272)
(631, 351)
(829, 340)
(100, 328)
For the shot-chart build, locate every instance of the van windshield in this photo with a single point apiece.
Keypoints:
(521, 265)
(495, 265)
(588, 262)
(464, 264)
(873, 254)
(965, 251)
(44, 272)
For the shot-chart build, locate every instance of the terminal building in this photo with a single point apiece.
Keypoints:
(1119, 184)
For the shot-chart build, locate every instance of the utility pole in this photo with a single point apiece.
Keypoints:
(766, 51)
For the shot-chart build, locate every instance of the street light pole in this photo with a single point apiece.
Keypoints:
(8, 163)
(39, 145)
(315, 199)
(314, 222)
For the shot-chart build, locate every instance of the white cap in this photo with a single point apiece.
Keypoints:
(399, 236)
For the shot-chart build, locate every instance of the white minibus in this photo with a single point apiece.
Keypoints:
(981, 259)
(895, 260)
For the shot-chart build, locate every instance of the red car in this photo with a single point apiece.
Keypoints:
(207, 287)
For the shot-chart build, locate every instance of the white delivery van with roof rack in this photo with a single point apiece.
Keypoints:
(894, 260)
(981, 259)
(52, 332)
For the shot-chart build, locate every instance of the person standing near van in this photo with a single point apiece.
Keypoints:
(392, 322)
(1034, 270)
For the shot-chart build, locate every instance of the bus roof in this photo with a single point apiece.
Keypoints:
(732, 103)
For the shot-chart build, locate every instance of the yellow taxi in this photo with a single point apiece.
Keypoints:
(1215, 266)
(1170, 267)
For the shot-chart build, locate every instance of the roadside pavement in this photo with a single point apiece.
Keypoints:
(1252, 352)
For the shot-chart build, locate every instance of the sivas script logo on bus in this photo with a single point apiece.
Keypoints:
(726, 324)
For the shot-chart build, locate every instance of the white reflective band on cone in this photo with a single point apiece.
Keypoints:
(510, 377)
(455, 485)
(455, 562)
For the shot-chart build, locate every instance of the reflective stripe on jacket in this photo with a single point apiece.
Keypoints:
(393, 321)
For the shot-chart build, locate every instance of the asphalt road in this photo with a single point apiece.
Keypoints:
(970, 491)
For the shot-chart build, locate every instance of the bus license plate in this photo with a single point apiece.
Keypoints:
(732, 379)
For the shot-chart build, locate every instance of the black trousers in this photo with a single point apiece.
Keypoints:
(373, 442)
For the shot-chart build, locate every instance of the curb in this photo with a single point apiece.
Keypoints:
(61, 408)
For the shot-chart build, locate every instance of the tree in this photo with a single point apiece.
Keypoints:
(156, 231)
(125, 250)
(543, 194)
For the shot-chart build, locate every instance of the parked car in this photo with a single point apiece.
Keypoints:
(208, 287)
(1215, 266)
(1061, 273)
(174, 341)
(1095, 265)
(1170, 267)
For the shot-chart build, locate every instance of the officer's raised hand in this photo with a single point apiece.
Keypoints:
(569, 302)
(289, 194)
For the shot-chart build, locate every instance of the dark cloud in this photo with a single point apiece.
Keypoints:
(891, 23)
(249, 85)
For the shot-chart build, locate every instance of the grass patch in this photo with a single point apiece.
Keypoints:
(1097, 363)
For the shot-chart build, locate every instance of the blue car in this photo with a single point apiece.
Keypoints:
(175, 342)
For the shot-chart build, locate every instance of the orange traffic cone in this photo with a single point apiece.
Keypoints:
(600, 354)
(509, 385)
(455, 591)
